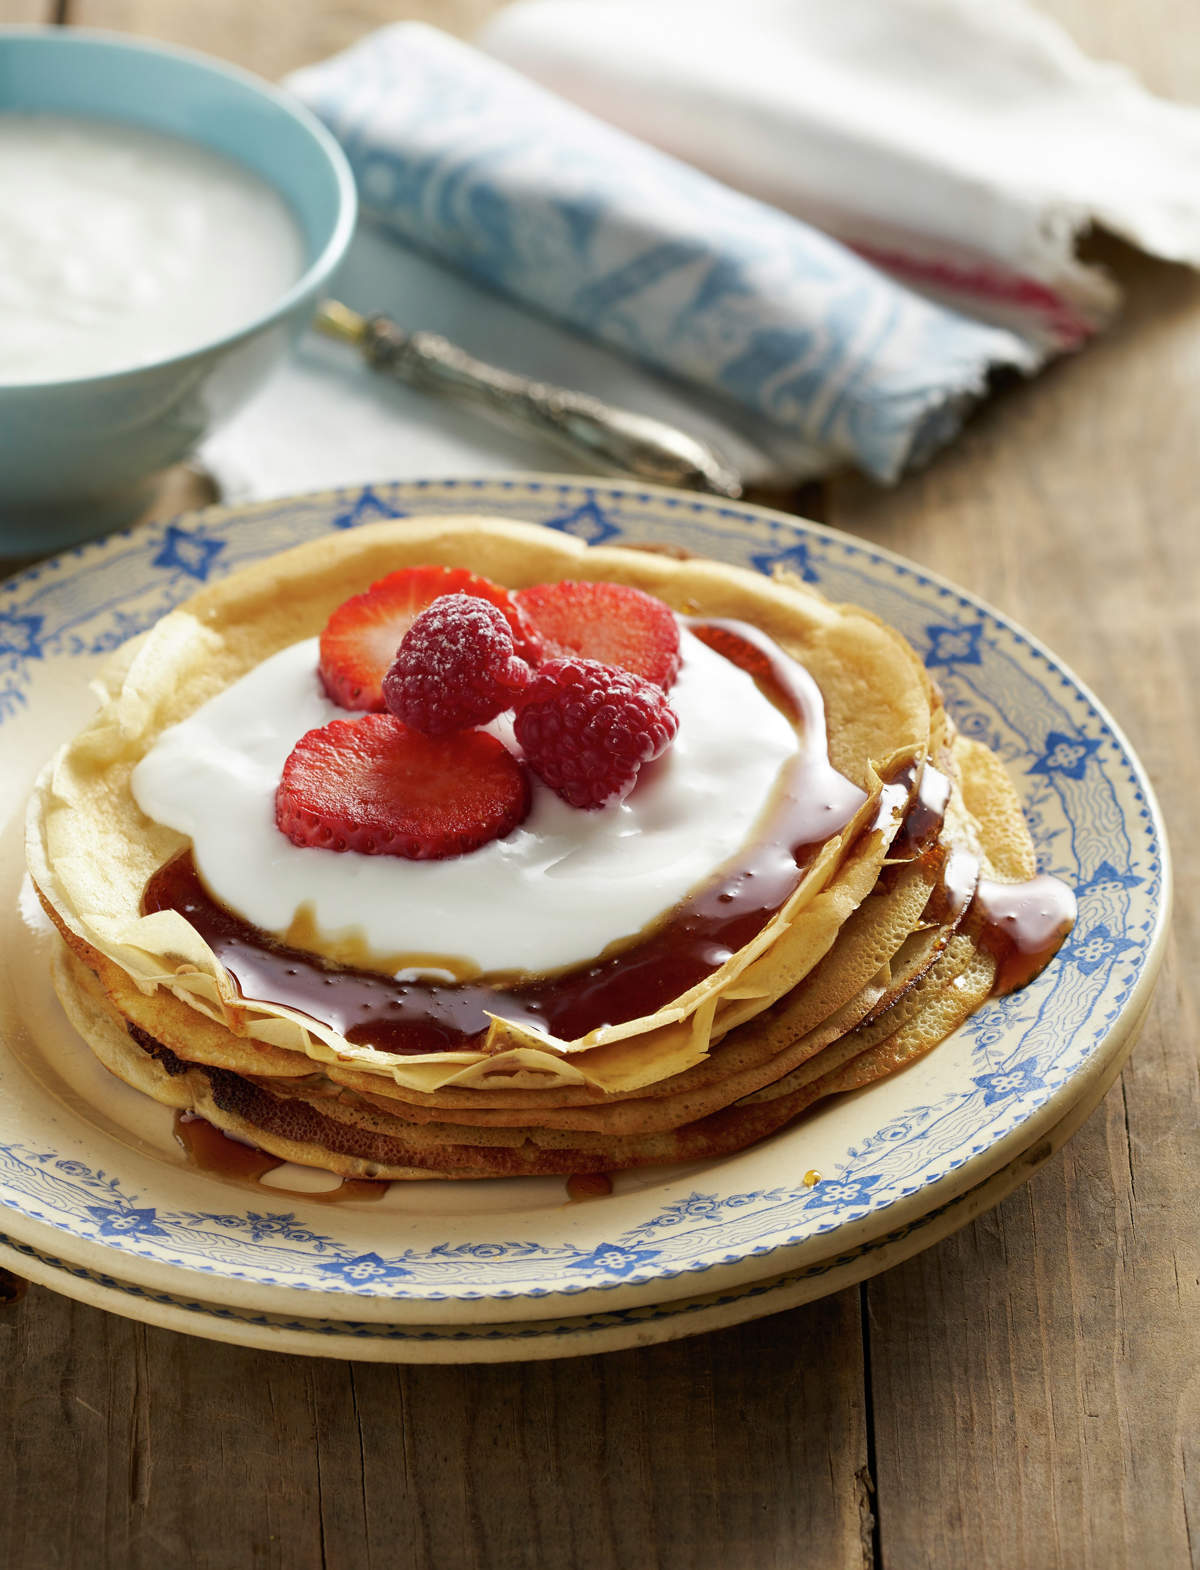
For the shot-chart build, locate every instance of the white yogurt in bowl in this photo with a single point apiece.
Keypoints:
(168, 225)
(120, 247)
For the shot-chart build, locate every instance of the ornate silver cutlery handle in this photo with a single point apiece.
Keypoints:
(615, 440)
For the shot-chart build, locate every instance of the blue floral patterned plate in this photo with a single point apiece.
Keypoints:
(574, 1335)
(91, 1178)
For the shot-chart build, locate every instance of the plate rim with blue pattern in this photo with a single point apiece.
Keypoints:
(111, 1199)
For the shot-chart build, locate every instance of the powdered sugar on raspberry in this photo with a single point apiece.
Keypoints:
(456, 667)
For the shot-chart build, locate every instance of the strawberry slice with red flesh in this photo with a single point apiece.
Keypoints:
(611, 623)
(373, 785)
(362, 636)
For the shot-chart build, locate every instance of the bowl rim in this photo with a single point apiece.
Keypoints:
(313, 276)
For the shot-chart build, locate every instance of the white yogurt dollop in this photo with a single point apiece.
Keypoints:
(120, 246)
(553, 893)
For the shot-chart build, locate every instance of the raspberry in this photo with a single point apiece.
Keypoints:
(361, 637)
(588, 728)
(455, 668)
(372, 785)
(609, 622)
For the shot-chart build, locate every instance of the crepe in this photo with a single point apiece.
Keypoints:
(859, 971)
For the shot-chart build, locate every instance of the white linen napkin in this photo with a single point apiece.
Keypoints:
(963, 143)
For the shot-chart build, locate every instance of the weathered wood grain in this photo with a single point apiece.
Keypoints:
(272, 36)
(137, 1449)
(1049, 1353)
(24, 11)
(1035, 1395)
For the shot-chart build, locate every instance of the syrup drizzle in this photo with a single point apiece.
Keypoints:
(589, 1185)
(921, 793)
(212, 1150)
(957, 882)
(921, 825)
(814, 803)
(1023, 925)
(208, 1148)
(892, 797)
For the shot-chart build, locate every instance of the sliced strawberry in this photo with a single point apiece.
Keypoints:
(737, 650)
(361, 637)
(607, 622)
(372, 785)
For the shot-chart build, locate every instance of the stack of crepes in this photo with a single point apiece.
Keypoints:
(876, 954)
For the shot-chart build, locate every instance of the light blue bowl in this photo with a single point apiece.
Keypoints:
(79, 456)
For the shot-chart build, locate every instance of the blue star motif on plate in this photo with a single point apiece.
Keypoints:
(1106, 876)
(1097, 947)
(841, 1191)
(613, 1259)
(1016, 1080)
(1065, 755)
(126, 1221)
(367, 504)
(19, 635)
(954, 645)
(792, 558)
(192, 553)
(364, 1270)
(587, 522)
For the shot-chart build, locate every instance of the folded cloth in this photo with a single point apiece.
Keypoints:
(961, 144)
(539, 200)
(324, 420)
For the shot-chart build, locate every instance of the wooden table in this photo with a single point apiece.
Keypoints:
(1025, 1394)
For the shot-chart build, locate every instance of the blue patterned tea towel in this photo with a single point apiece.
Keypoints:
(522, 191)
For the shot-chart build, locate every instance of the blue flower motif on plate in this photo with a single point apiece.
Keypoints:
(260, 1228)
(950, 646)
(990, 1035)
(842, 1193)
(1107, 877)
(1097, 947)
(364, 1270)
(189, 551)
(893, 1133)
(19, 636)
(613, 1259)
(1065, 755)
(1016, 1080)
(694, 1207)
(126, 1221)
